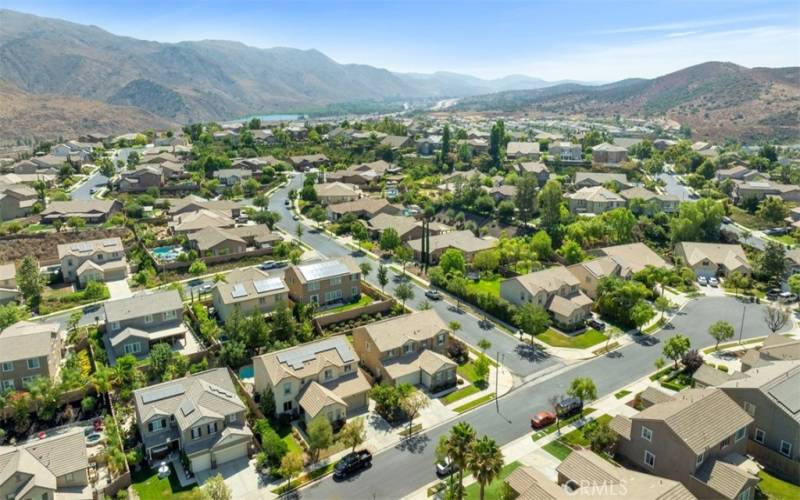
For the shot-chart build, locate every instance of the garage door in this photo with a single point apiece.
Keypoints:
(231, 453)
(411, 378)
(201, 463)
(356, 402)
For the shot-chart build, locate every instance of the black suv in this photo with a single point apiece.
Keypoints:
(569, 407)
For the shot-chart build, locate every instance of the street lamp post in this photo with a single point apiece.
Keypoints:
(500, 357)
(741, 327)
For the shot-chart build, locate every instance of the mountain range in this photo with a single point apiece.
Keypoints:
(73, 76)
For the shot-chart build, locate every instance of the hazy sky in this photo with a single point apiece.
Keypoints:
(586, 40)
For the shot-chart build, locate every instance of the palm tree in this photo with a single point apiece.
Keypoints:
(102, 380)
(462, 437)
(485, 461)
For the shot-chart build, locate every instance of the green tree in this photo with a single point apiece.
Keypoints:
(505, 210)
(771, 264)
(773, 210)
(274, 447)
(389, 239)
(572, 252)
(485, 461)
(549, 202)
(697, 221)
(525, 199)
(404, 292)
(462, 439)
(484, 344)
(29, 281)
(445, 141)
(365, 268)
(383, 276)
(486, 261)
(216, 489)
(583, 388)
(9, 314)
(161, 356)
(532, 319)
(298, 231)
(353, 433)
(481, 368)
(641, 313)
(542, 244)
(676, 346)
(197, 268)
(403, 254)
(453, 260)
(663, 305)
(291, 465)
(320, 436)
(794, 283)
(720, 331)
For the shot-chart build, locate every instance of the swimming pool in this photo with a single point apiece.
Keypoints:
(167, 253)
(246, 372)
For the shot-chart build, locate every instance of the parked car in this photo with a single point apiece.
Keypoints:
(446, 467)
(569, 407)
(92, 308)
(774, 293)
(433, 294)
(713, 282)
(727, 220)
(787, 297)
(596, 324)
(352, 463)
(267, 265)
(287, 202)
(295, 217)
(92, 191)
(702, 281)
(206, 287)
(542, 419)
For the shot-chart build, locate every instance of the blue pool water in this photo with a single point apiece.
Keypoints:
(246, 371)
(168, 253)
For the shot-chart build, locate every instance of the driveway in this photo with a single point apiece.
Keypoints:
(119, 289)
(241, 477)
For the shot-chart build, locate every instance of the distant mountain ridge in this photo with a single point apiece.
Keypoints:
(717, 100)
(203, 80)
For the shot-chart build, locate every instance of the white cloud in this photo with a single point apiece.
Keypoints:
(688, 25)
(682, 33)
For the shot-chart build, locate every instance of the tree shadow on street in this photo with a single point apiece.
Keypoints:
(531, 353)
(416, 443)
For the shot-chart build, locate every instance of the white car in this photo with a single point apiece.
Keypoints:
(713, 282)
(702, 281)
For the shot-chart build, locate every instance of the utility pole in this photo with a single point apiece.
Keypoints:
(497, 381)
(741, 327)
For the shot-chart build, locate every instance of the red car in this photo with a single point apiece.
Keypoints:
(542, 419)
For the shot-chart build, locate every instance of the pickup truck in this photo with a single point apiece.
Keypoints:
(352, 463)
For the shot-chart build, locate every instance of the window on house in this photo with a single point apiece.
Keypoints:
(348, 368)
(8, 366)
(156, 425)
(196, 432)
(647, 434)
(99, 256)
(440, 339)
(115, 325)
(744, 495)
(336, 281)
(33, 364)
(287, 406)
(750, 408)
(69, 477)
(700, 459)
(148, 319)
(27, 380)
(725, 443)
(760, 436)
(8, 384)
(211, 428)
(169, 315)
(409, 347)
(287, 388)
(649, 459)
(232, 418)
(262, 300)
(786, 448)
(69, 262)
(328, 374)
(355, 290)
(315, 299)
(132, 348)
(314, 285)
(740, 434)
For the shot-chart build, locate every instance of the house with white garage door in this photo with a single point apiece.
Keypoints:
(318, 378)
(200, 415)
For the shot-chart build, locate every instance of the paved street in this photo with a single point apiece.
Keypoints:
(415, 458)
(95, 181)
(518, 356)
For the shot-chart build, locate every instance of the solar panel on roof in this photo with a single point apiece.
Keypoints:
(238, 291)
(268, 285)
(109, 243)
(162, 393)
(322, 270)
(187, 408)
(298, 356)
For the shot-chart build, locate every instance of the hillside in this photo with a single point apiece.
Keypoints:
(45, 116)
(717, 100)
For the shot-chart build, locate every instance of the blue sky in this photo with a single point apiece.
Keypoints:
(569, 39)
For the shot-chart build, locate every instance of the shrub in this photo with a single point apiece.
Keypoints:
(723, 368)
(692, 360)
(458, 351)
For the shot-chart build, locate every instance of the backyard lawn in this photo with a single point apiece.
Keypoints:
(147, 484)
(492, 286)
(493, 489)
(363, 301)
(581, 341)
(777, 489)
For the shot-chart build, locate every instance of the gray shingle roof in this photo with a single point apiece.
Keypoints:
(142, 305)
(24, 340)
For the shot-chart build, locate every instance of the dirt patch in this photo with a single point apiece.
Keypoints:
(45, 245)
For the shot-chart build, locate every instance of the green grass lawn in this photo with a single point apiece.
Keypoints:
(467, 371)
(460, 394)
(783, 238)
(581, 341)
(474, 403)
(777, 489)
(655, 326)
(557, 449)
(722, 347)
(748, 220)
(578, 436)
(492, 287)
(285, 433)
(149, 486)
(493, 489)
(363, 301)
(621, 394)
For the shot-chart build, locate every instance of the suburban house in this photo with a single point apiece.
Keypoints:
(264, 136)
(465, 241)
(396, 142)
(426, 146)
(556, 289)
(136, 323)
(361, 174)
(363, 208)
(591, 179)
(769, 394)
(233, 242)
(54, 467)
(192, 203)
(143, 178)
(696, 437)
(335, 281)
(95, 260)
(331, 193)
(713, 259)
(9, 292)
(653, 202)
(249, 290)
(408, 350)
(566, 151)
(317, 378)
(92, 211)
(637, 256)
(776, 347)
(516, 150)
(585, 473)
(256, 165)
(408, 228)
(793, 261)
(200, 415)
(228, 135)
(737, 173)
(16, 201)
(590, 272)
(761, 189)
(609, 154)
(594, 200)
(231, 176)
(29, 350)
(503, 192)
(306, 162)
(190, 222)
(536, 168)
